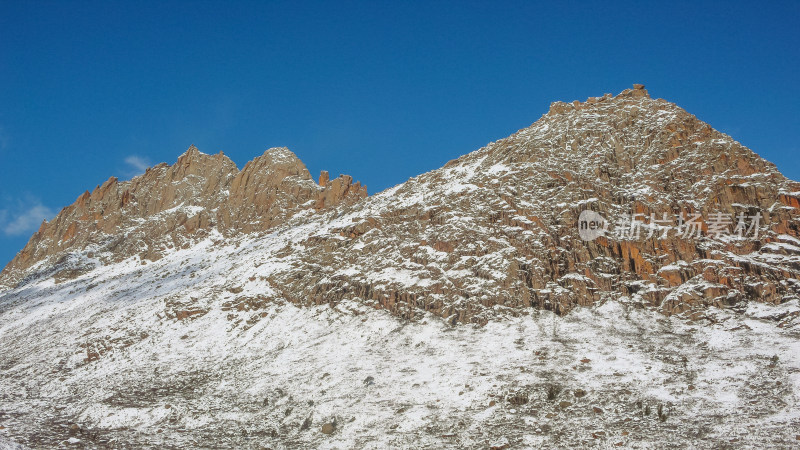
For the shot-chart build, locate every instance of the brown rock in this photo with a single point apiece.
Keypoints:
(267, 192)
(340, 190)
(328, 428)
(789, 200)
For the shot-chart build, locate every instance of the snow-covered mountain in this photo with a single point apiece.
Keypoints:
(201, 305)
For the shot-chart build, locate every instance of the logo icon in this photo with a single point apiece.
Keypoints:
(591, 225)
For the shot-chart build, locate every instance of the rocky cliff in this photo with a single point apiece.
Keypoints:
(172, 207)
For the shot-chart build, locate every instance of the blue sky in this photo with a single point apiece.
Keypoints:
(379, 90)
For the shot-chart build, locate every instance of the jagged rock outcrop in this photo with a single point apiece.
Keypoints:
(339, 190)
(270, 189)
(170, 207)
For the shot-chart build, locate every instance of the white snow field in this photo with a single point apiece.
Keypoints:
(108, 360)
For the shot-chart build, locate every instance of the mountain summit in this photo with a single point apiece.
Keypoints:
(617, 273)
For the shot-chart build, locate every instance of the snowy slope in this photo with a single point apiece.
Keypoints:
(106, 353)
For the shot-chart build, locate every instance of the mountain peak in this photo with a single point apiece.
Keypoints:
(638, 92)
(281, 152)
(190, 153)
(278, 162)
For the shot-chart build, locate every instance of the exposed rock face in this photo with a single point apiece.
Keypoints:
(495, 230)
(340, 190)
(498, 228)
(172, 206)
(270, 189)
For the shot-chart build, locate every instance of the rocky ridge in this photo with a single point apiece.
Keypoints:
(171, 207)
(495, 230)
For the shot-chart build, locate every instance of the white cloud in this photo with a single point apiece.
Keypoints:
(136, 164)
(25, 219)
